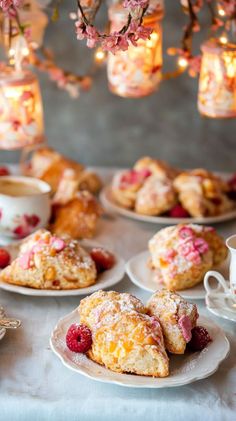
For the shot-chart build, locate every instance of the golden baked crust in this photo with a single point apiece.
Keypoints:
(182, 254)
(159, 168)
(125, 186)
(48, 262)
(125, 339)
(49, 165)
(155, 197)
(202, 193)
(177, 318)
(78, 218)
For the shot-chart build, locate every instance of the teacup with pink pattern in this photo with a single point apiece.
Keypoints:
(24, 206)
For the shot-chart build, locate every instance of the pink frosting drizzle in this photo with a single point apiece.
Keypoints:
(185, 325)
(57, 243)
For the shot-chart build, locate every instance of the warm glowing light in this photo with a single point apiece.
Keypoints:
(217, 82)
(11, 52)
(221, 11)
(21, 117)
(99, 56)
(182, 62)
(25, 51)
(136, 72)
(223, 39)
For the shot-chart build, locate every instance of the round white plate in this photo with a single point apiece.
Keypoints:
(105, 279)
(2, 315)
(221, 305)
(141, 275)
(184, 369)
(109, 203)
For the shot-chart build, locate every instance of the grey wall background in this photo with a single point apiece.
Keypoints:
(102, 129)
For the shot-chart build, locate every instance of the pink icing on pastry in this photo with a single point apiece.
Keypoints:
(185, 325)
(24, 260)
(134, 176)
(58, 244)
(185, 232)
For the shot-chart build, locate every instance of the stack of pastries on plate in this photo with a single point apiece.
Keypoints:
(152, 187)
(116, 330)
(46, 261)
(75, 208)
(182, 254)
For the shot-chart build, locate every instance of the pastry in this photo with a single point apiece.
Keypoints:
(155, 197)
(49, 262)
(202, 193)
(126, 184)
(177, 318)
(182, 254)
(124, 338)
(49, 165)
(78, 217)
(158, 168)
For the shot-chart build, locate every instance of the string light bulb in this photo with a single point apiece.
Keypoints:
(182, 62)
(99, 56)
(223, 39)
(221, 11)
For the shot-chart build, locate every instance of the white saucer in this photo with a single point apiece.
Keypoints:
(105, 279)
(109, 203)
(184, 369)
(141, 275)
(221, 305)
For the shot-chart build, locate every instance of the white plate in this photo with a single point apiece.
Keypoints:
(105, 279)
(221, 305)
(109, 203)
(142, 276)
(184, 369)
(2, 315)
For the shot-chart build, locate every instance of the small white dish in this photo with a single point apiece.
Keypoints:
(105, 279)
(184, 369)
(221, 305)
(2, 330)
(141, 275)
(109, 204)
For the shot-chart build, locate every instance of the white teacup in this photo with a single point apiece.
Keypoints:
(24, 206)
(231, 244)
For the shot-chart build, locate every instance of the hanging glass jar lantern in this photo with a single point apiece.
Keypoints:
(136, 72)
(21, 113)
(217, 82)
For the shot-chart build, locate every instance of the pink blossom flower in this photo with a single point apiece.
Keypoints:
(7, 4)
(92, 36)
(80, 30)
(134, 4)
(201, 245)
(185, 232)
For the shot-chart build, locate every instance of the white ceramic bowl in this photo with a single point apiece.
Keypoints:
(24, 206)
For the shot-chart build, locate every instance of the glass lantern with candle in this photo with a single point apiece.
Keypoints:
(217, 82)
(136, 72)
(21, 114)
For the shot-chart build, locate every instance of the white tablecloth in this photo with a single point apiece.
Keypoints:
(34, 385)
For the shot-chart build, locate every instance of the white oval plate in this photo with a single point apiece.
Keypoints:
(2, 315)
(141, 275)
(109, 203)
(184, 369)
(105, 279)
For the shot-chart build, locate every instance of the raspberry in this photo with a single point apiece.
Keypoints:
(5, 258)
(4, 171)
(200, 338)
(79, 338)
(103, 259)
(178, 212)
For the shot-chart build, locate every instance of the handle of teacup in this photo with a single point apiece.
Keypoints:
(218, 277)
